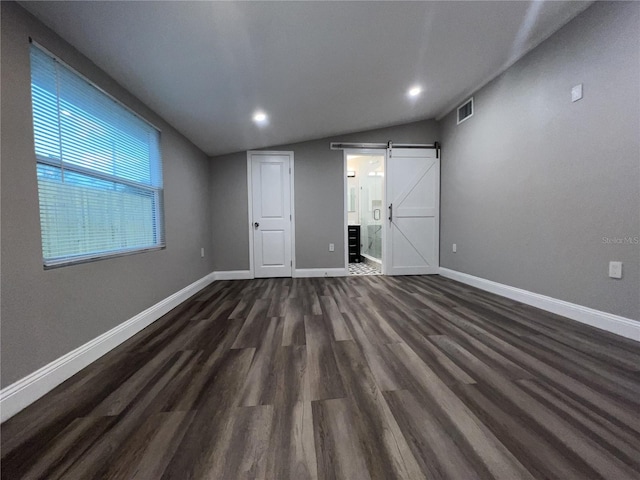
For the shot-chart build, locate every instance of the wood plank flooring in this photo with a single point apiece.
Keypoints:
(343, 378)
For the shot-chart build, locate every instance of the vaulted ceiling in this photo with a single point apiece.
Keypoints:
(315, 68)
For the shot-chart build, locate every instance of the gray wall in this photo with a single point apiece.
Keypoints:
(229, 207)
(45, 314)
(532, 182)
(319, 197)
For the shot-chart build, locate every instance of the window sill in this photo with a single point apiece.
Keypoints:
(97, 257)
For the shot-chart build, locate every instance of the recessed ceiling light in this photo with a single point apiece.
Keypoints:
(414, 91)
(260, 117)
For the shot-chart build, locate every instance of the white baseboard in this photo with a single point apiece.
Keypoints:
(623, 326)
(321, 272)
(298, 273)
(234, 275)
(24, 392)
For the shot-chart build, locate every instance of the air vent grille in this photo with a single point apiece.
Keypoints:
(465, 110)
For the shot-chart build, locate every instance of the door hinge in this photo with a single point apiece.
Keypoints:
(290, 218)
(291, 263)
(289, 170)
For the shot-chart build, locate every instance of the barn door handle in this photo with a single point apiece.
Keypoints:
(391, 212)
(256, 225)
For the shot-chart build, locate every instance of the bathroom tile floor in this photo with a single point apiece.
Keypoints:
(363, 269)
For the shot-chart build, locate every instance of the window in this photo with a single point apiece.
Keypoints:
(99, 169)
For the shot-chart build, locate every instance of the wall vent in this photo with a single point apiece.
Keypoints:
(465, 110)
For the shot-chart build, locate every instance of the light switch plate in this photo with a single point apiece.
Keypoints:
(454, 247)
(615, 269)
(576, 93)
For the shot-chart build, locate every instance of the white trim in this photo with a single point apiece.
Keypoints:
(250, 212)
(24, 392)
(321, 272)
(292, 202)
(623, 326)
(345, 222)
(234, 275)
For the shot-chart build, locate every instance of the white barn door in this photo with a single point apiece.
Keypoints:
(271, 213)
(413, 201)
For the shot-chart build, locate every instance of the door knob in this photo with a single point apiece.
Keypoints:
(256, 225)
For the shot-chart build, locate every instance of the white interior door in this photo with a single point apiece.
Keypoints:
(413, 201)
(271, 215)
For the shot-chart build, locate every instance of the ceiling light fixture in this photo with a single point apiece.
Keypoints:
(414, 91)
(260, 117)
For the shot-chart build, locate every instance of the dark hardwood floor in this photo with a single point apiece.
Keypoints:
(349, 378)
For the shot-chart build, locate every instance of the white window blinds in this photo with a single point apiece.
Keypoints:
(99, 169)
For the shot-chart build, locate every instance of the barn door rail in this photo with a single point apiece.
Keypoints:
(384, 146)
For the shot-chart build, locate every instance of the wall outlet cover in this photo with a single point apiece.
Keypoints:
(576, 93)
(615, 269)
(454, 248)
(332, 247)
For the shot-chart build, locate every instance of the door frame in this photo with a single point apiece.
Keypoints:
(290, 154)
(364, 151)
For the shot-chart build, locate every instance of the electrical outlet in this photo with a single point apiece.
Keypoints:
(202, 252)
(454, 248)
(576, 93)
(332, 247)
(615, 269)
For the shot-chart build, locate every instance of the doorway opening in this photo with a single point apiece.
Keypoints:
(365, 200)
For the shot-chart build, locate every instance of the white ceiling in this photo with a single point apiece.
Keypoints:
(317, 68)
